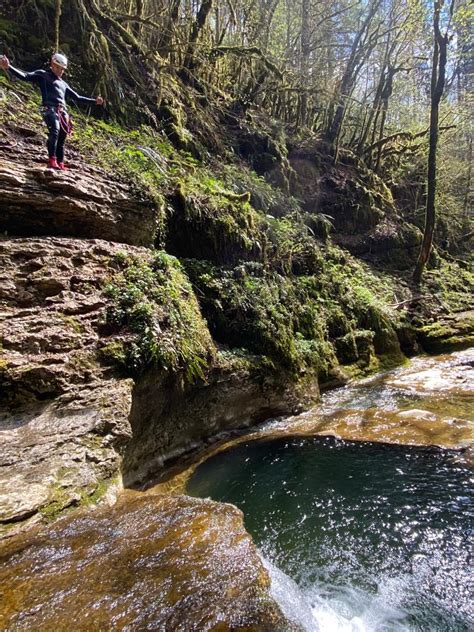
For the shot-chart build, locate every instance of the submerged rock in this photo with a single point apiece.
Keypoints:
(428, 402)
(450, 374)
(152, 562)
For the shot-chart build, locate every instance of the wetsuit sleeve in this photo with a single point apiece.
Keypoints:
(32, 77)
(77, 97)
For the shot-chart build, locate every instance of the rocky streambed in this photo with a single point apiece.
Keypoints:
(162, 559)
(428, 402)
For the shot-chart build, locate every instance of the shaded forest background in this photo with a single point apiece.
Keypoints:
(354, 76)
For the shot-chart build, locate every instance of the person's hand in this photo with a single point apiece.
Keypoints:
(4, 62)
(99, 100)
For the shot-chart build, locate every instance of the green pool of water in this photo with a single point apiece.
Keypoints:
(374, 537)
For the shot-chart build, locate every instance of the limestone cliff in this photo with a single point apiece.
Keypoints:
(68, 412)
(117, 355)
(86, 202)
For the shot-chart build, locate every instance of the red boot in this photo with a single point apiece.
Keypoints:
(53, 163)
(62, 166)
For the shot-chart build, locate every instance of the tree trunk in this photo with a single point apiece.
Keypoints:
(361, 48)
(190, 61)
(57, 22)
(304, 59)
(438, 77)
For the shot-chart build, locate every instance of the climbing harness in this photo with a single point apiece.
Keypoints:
(65, 119)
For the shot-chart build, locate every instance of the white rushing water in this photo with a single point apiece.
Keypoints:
(323, 608)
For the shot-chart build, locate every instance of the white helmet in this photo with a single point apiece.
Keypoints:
(60, 60)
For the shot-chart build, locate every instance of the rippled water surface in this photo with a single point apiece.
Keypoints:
(375, 536)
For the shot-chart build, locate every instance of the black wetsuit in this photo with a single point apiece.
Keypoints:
(54, 92)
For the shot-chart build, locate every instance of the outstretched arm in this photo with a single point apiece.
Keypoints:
(77, 97)
(25, 76)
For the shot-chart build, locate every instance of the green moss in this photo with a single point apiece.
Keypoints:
(448, 335)
(59, 500)
(263, 196)
(268, 314)
(64, 499)
(211, 222)
(10, 32)
(173, 120)
(83, 361)
(241, 360)
(451, 285)
(292, 248)
(72, 323)
(94, 494)
(153, 309)
(114, 353)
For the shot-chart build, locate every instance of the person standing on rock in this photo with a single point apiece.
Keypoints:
(54, 91)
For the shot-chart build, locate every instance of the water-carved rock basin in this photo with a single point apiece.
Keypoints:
(174, 563)
(363, 537)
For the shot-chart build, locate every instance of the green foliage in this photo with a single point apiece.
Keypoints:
(272, 288)
(266, 313)
(450, 287)
(154, 312)
(301, 322)
(292, 248)
(263, 196)
(209, 220)
(10, 32)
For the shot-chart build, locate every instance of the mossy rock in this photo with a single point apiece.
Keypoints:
(153, 318)
(346, 349)
(450, 334)
(214, 225)
(267, 313)
(407, 337)
(364, 344)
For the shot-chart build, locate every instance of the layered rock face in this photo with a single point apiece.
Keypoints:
(63, 414)
(67, 414)
(167, 420)
(83, 202)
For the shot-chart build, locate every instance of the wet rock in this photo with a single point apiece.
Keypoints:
(61, 453)
(151, 562)
(80, 202)
(168, 420)
(442, 387)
